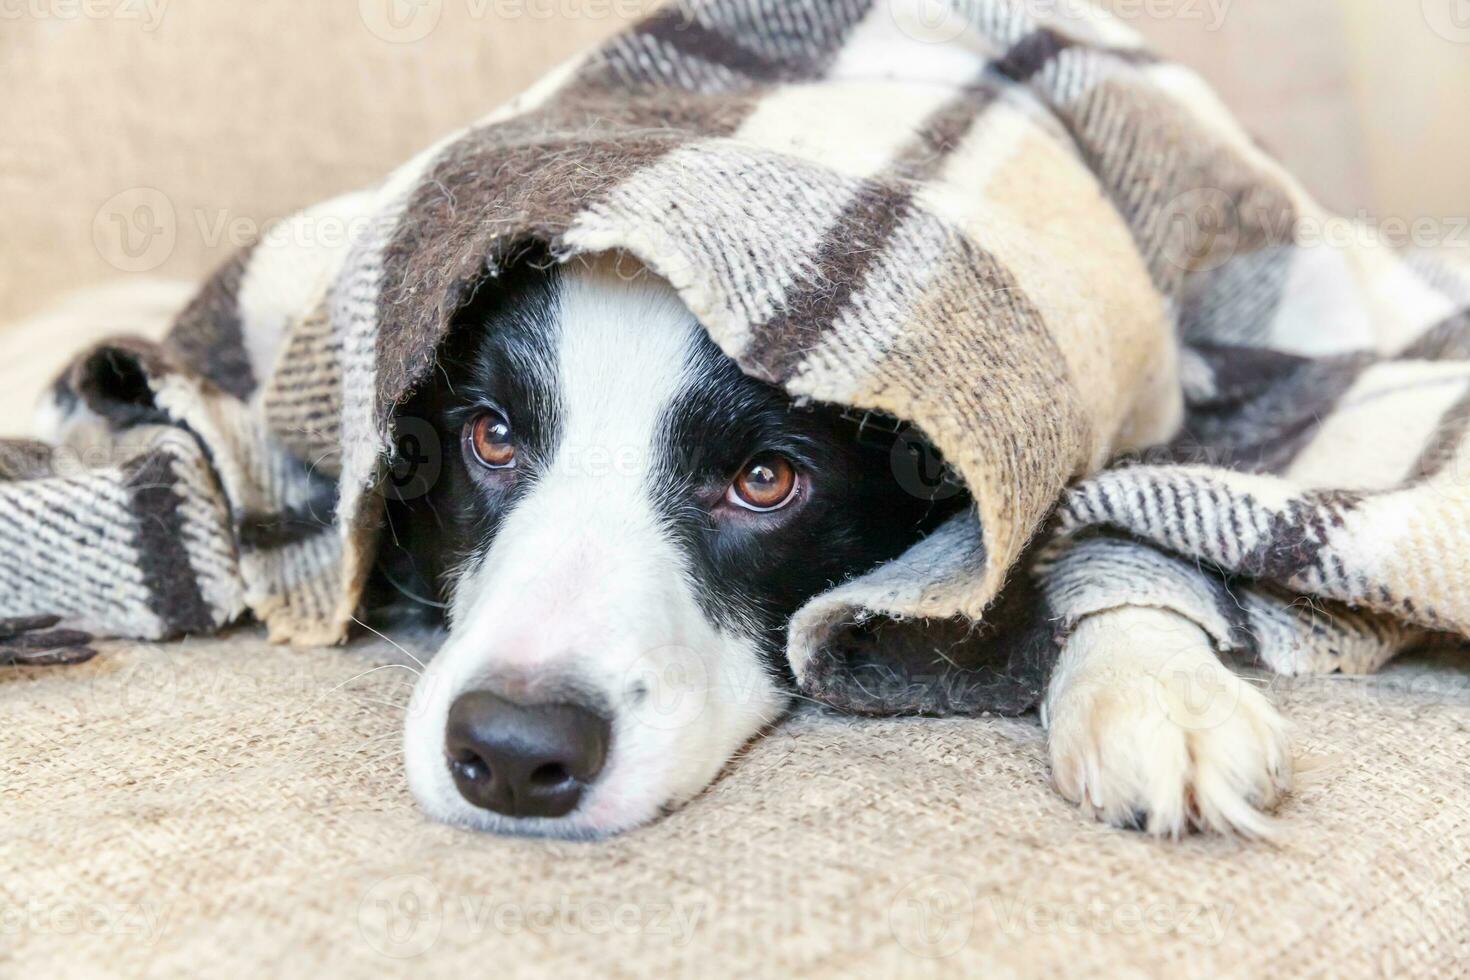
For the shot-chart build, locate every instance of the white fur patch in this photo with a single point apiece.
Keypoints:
(1147, 728)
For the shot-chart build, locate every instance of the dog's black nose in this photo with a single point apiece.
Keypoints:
(523, 760)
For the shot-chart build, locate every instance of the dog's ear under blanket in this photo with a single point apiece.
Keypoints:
(1032, 239)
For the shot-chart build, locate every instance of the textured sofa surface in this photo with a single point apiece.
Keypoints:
(225, 808)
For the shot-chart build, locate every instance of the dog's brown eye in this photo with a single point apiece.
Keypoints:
(490, 438)
(766, 483)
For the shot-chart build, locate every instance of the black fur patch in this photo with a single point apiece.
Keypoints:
(500, 353)
(857, 514)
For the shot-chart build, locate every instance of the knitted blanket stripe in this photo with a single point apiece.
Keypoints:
(1055, 255)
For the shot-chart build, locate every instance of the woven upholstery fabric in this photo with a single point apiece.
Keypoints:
(228, 808)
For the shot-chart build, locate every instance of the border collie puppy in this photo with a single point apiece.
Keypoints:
(618, 524)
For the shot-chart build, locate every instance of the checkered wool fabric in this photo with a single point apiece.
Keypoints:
(1053, 253)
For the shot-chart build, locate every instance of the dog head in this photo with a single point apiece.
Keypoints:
(621, 528)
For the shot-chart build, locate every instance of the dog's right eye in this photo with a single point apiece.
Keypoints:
(489, 438)
(767, 483)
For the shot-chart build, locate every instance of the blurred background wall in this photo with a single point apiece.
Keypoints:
(1367, 100)
(208, 118)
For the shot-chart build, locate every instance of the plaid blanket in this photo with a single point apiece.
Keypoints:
(1007, 224)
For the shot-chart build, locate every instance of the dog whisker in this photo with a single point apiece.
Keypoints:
(399, 705)
(403, 590)
(373, 670)
(394, 643)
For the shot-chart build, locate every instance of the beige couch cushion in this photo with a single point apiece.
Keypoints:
(225, 808)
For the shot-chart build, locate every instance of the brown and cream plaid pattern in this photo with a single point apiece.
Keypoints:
(1006, 223)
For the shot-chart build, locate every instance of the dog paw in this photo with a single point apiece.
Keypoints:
(1148, 730)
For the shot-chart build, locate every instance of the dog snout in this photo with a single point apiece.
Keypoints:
(523, 760)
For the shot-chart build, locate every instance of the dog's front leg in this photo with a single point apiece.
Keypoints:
(1148, 729)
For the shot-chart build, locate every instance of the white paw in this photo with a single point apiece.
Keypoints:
(1148, 730)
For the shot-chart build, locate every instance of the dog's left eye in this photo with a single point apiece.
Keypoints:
(489, 437)
(766, 483)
